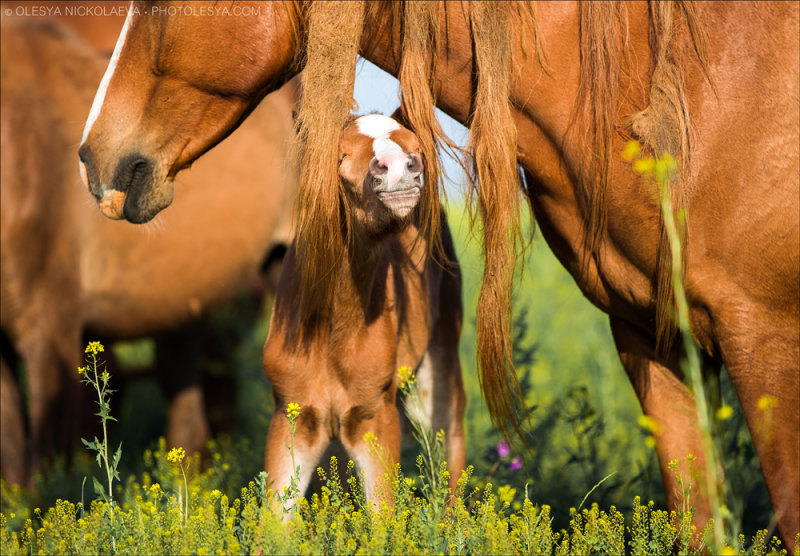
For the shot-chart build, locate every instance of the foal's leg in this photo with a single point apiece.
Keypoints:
(385, 427)
(441, 389)
(666, 399)
(762, 355)
(309, 445)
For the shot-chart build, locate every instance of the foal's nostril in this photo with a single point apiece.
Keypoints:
(414, 164)
(377, 167)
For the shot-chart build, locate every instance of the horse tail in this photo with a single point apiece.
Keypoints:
(417, 77)
(493, 144)
(333, 38)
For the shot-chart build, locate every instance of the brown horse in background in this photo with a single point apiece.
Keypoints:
(558, 88)
(393, 306)
(68, 270)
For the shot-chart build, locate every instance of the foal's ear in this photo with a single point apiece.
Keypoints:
(400, 117)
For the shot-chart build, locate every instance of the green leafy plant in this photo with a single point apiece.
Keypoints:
(288, 497)
(91, 375)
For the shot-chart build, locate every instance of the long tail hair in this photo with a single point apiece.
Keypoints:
(332, 42)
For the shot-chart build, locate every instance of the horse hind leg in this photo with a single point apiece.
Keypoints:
(667, 400)
(762, 356)
(177, 359)
(55, 397)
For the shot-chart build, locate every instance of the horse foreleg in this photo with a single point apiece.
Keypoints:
(176, 364)
(374, 445)
(13, 457)
(295, 458)
(668, 401)
(762, 357)
(51, 363)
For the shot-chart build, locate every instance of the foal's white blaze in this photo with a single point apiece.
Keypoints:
(112, 65)
(386, 151)
(376, 125)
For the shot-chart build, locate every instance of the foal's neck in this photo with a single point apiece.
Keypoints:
(361, 276)
(363, 286)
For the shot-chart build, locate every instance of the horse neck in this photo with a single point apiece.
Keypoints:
(371, 267)
(361, 273)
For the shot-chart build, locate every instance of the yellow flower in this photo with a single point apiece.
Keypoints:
(650, 424)
(94, 348)
(81, 370)
(766, 402)
(728, 551)
(292, 410)
(176, 455)
(724, 412)
(631, 150)
(643, 165)
(406, 376)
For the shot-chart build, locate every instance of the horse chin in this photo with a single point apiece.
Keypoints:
(401, 203)
(139, 208)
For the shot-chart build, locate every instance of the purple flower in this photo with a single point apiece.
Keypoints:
(503, 449)
(516, 463)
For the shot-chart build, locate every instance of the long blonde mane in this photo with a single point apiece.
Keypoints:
(333, 32)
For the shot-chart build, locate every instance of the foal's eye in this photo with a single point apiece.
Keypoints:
(341, 157)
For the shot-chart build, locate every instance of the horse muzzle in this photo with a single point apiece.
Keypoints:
(133, 193)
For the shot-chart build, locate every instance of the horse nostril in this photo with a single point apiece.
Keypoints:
(377, 167)
(414, 164)
(83, 153)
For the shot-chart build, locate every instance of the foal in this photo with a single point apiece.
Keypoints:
(392, 306)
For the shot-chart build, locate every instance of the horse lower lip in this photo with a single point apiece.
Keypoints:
(397, 195)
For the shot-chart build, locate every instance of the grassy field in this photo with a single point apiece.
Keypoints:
(585, 426)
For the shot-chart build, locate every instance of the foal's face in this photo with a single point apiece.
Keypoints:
(380, 165)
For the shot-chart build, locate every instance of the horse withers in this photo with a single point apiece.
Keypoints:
(392, 305)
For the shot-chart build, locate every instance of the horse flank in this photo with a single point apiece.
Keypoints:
(333, 35)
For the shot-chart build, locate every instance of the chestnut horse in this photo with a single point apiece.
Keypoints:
(393, 306)
(558, 88)
(68, 270)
